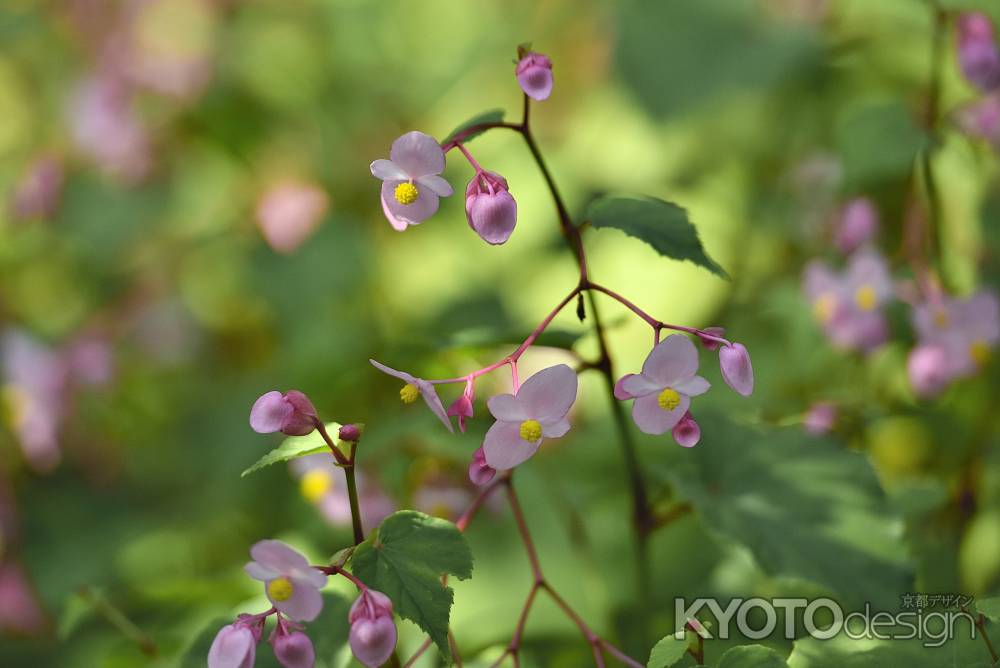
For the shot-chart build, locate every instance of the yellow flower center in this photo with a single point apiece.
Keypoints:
(941, 319)
(531, 430)
(980, 353)
(409, 393)
(865, 298)
(406, 193)
(824, 307)
(669, 399)
(315, 484)
(280, 589)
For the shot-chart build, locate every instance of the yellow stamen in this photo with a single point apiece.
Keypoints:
(409, 393)
(980, 353)
(315, 484)
(669, 399)
(824, 307)
(865, 298)
(531, 430)
(280, 589)
(406, 193)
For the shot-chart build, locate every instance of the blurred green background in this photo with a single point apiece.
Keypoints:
(143, 309)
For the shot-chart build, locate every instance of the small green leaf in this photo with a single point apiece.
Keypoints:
(662, 225)
(990, 608)
(751, 656)
(76, 609)
(667, 652)
(491, 116)
(299, 446)
(405, 558)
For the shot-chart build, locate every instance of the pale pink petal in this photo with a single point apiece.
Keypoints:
(433, 402)
(867, 267)
(425, 206)
(818, 280)
(737, 370)
(269, 412)
(672, 360)
(397, 224)
(402, 375)
(260, 572)
(493, 217)
(506, 407)
(373, 640)
(303, 606)
(555, 428)
(550, 393)
(652, 419)
(620, 392)
(980, 317)
(504, 448)
(693, 386)
(858, 224)
(637, 385)
(387, 170)
(276, 555)
(436, 184)
(417, 154)
(309, 576)
(234, 647)
(480, 472)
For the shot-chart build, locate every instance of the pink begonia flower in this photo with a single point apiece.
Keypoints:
(415, 387)
(290, 413)
(105, 127)
(857, 224)
(235, 646)
(462, 407)
(490, 208)
(737, 371)
(289, 212)
(37, 193)
(290, 583)
(319, 478)
(663, 390)
(441, 498)
(373, 633)
(820, 417)
(981, 119)
(534, 75)
(712, 344)
(537, 411)
(686, 433)
(294, 650)
(480, 472)
(848, 306)
(411, 183)
(978, 56)
(955, 336)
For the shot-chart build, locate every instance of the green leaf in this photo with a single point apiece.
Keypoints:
(667, 652)
(491, 116)
(751, 656)
(878, 141)
(299, 446)
(662, 225)
(990, 607)
(405, 558)
(76, 609)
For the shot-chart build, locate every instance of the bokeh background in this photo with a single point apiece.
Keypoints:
(189, 221)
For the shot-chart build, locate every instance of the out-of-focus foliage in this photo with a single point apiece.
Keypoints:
(200, 226)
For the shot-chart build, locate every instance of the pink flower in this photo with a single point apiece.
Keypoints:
(415, 387)
(929, 369)
(687, 433)
(981, 118)
(290, 583)
(288, 213)
(411, 183)
(373, 633)
(462, 407)
(290, 413)
(663, 390)
(318, 475)
(537, 411)
(293, 650)
(534, 75)
(978, 56)
(105, 127)
(857, 225)
(737, 371)
(820, 417)
(490, 208)
(235, 646)
(848, 306)
(37, 193)
(480, 472)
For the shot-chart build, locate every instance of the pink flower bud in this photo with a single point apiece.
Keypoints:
(288, 213)
(712, 344)
(480, 472)
(350, 433)
(234, 647)
(858, 224)
(687, 433)
(929, 370)
(490, 208)
(978, 56)
(462, 407)
(290, 413)
(737, 370)
(373, 633)
(820, 418)
(534, 75)
(294, 650)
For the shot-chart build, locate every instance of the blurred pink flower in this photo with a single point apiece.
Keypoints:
(37, 194)
(20, 610)
(320, 482)
(978, 56)
(105, 127)
(820, 417)
(981, 119)
(289, 213)
(857, 224)
(441, 498)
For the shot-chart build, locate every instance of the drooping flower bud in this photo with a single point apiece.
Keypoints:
(373, 633)
(929, 370)
(234, 647)
(978, 55)
(737, 370)
(290, 413)
(462, 407)
(857, 225)
(294, 650)
(480, 472)
(490, 208)
(534, 74)
(820, 418)
(350, 433)
(687, 433)
(710, 343)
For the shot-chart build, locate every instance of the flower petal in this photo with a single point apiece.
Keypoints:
(504, 448)
(269, 412)
(402, 375)
(638, 385)
(555, 428)
(277, 556)
(418, 154)
(234, 647)
(693, 386)
(387, 170)
(397, 224)
(506, 407)
(304, 604)
(651, 419)
(425, 206)
(433, 402)
(260, 572)
(672, 360)
(436, 185)
(549, 394)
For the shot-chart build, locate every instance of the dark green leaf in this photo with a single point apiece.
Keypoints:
(667, 652)
(405, 558)
(990, 607)
(878, 141)
(662, 225)
(751, 656)
(491, 116)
